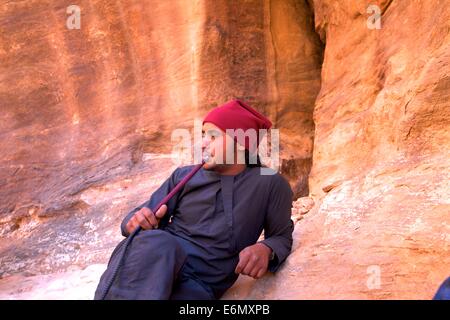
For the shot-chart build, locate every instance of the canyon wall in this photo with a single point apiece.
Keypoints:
(380, 227)
(87, 116)
(88, 113)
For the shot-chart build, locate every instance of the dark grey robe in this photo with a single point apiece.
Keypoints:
(212, 219)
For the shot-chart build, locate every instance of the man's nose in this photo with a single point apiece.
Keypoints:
(205, 143)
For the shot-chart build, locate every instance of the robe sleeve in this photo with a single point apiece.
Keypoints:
(154, 200)
(278, 226)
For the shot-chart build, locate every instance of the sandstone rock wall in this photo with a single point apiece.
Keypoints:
(86, 112)
(86, 118)
(380, 228)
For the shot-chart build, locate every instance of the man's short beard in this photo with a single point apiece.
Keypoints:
(210, 168)
(216, 167)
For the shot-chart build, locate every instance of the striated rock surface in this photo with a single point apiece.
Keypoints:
(381, 154)
(86, 119)
(82, 109)
(376, 236)
(380, 228)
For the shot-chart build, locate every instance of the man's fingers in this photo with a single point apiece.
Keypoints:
(131, 225)
(249, 267)
(142, 220)
(134, 223)
(150, 217)
(253, 261)
(253, 273)
(260, 273)
(242, 264)
(161, 212)
(147, 219)
(238, 268)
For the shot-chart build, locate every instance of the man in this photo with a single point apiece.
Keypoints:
(196, 246)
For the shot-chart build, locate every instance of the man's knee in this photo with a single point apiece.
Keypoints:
(159, 243)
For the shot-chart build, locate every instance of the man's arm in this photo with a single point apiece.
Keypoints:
(278, 226)
(154, 200)
(255, 260)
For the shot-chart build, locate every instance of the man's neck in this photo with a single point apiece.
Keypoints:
(230, 169)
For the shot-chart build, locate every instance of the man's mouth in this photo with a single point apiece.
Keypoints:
(207, 156)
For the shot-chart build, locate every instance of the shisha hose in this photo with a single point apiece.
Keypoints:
(180, 185)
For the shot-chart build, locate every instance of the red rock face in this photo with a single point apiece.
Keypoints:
(85, 112)
(382, 120)
(87, 116)
(381, 224)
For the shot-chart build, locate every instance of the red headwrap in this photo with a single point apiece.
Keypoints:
(236, 114)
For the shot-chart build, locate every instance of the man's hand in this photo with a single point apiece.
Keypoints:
(146, 219)
(254, 260)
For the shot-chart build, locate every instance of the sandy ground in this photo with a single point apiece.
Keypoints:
(75, 284)
(79, 284)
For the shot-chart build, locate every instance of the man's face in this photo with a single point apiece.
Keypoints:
(215, 144)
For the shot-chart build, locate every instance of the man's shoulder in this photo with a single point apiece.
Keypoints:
(272, 177)
(187, 168)
(182, 171)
